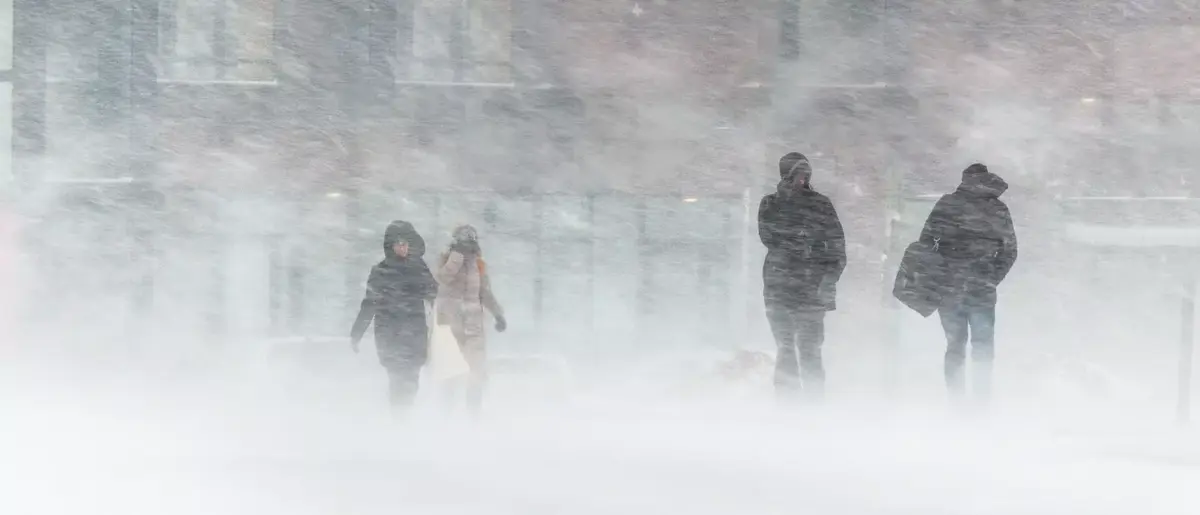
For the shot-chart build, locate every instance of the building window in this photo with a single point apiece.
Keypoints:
(6, 64)
(456, 42)
(228, 40)
(72, 41)
(6, 135)
(1179, 169)
(6, 35)
(1138, 163)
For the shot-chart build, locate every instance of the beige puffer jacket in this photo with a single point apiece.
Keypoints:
(464, 291)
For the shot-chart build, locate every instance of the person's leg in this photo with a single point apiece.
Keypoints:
(787, 364)
(983, 350)
(954, 323)
(403, 382)
(452, 392)
(475, 352)
(811, 335)
(444, 348)
(403, 354)
(472, 343)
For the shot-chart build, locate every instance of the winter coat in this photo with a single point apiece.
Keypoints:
(397, 290)
(464, 291)
(806, 249)
(972, 230)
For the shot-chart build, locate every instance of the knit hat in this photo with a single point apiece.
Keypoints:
(794, 164)
(791, 167)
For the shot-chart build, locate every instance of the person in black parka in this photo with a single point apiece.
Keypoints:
(972, 230)
(806, 254)
(397, 290)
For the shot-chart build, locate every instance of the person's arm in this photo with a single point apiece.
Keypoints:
(833, 254)
(768, 231)
(1007, 256)
(429, 285)
(452, 262)
(836, 239)
(489, 301)
(488, 297)
(366, 311)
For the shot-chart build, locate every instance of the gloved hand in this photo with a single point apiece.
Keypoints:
(354, 345)
(466, 247)
(501, 324)
(827, 292)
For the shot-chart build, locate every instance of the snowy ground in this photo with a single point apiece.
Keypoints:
(237, 447)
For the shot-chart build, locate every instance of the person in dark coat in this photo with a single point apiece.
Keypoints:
(397, 290)
(806, 254)
(972, 230)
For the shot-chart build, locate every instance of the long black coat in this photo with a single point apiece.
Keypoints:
(972, 230)
(806, 250)
(395, 300)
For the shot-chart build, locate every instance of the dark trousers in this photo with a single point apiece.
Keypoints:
(404, 379)
(979, 325)
(799, 335)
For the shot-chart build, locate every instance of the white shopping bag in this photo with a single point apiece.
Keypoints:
(445, 359)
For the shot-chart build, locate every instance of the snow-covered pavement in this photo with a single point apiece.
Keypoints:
(235, 454)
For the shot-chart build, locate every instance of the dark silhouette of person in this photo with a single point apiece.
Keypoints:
(397, 290)
(972, 231)
(806, 254)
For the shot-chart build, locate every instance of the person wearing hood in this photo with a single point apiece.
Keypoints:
(397, 290)
(464, 293)
(806, 254)
(972, 230)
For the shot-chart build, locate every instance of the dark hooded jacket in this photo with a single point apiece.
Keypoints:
(972, 230)
(397, 290)
(806, 246)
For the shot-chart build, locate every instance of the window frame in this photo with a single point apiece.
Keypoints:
(460, 61)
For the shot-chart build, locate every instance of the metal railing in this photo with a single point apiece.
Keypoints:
(580, 270)
(575, 272)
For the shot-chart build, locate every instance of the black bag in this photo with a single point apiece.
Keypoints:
(920, 281)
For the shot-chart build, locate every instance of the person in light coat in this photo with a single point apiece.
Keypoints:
(464, 294)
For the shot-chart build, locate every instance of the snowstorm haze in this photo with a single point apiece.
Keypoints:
(194, 192)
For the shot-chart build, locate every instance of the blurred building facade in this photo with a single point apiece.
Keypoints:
(307, 124)
(656, 96)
